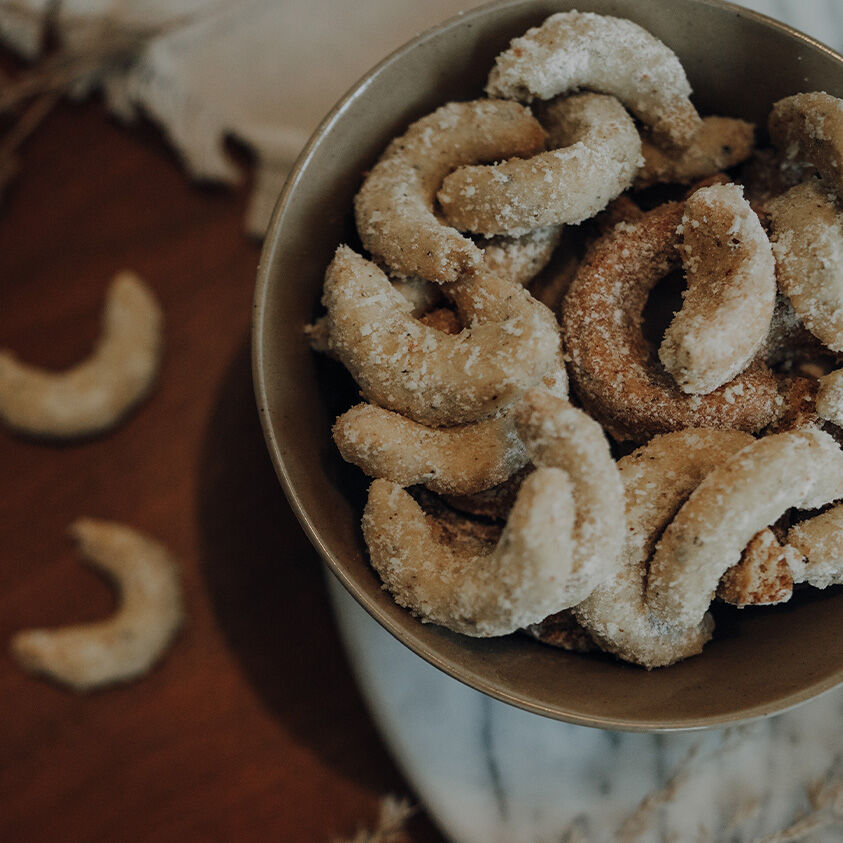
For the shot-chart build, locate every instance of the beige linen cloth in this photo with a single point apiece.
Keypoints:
(263, 71)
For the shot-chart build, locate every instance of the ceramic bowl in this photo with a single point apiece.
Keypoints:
(760, 661)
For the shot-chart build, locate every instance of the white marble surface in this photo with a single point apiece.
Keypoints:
(491, 773)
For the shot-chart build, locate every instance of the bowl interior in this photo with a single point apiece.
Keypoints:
(761, 661)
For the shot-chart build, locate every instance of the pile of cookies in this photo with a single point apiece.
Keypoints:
(531, 237)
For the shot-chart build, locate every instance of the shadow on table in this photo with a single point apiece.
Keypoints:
(267, 591)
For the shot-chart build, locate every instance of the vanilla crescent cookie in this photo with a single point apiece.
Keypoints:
(395, 207)
(657, 479)
(721, 142)
(809, 128)
(612, 367)
(96, 394)
(461, 460)
(480, 595)
(559, 435)
(458, 460)
(127, 644)
(727, 308)
(432, 377)
(807, 235)
(751, 490)
(594, 156)
(563, 534)
(573, 50)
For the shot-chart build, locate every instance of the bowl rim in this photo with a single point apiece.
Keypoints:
(335, 566)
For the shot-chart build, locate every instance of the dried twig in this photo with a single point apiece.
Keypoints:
(826, 800)
(108, 44)
(393, 814)
(26, 124)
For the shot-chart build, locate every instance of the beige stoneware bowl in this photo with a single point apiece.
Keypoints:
(761, 661)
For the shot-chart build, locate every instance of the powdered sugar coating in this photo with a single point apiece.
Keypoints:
(521, 258)
(807, 235)
(727, 308)
(809, 128)
(657, 480)
(432, 377)
(537, 562)
(800, 411)
(394, 208)
(612, 367)
(573, 50)
(752, 489)
(422, 295)
(594, 156)
(721, 142)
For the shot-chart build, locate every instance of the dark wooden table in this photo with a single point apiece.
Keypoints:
(251, 728)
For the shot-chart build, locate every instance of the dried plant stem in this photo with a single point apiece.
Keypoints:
(26, 124)
(108, 43)
(61, 70)
(393, 814)
(826, 799)
(19, 132)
